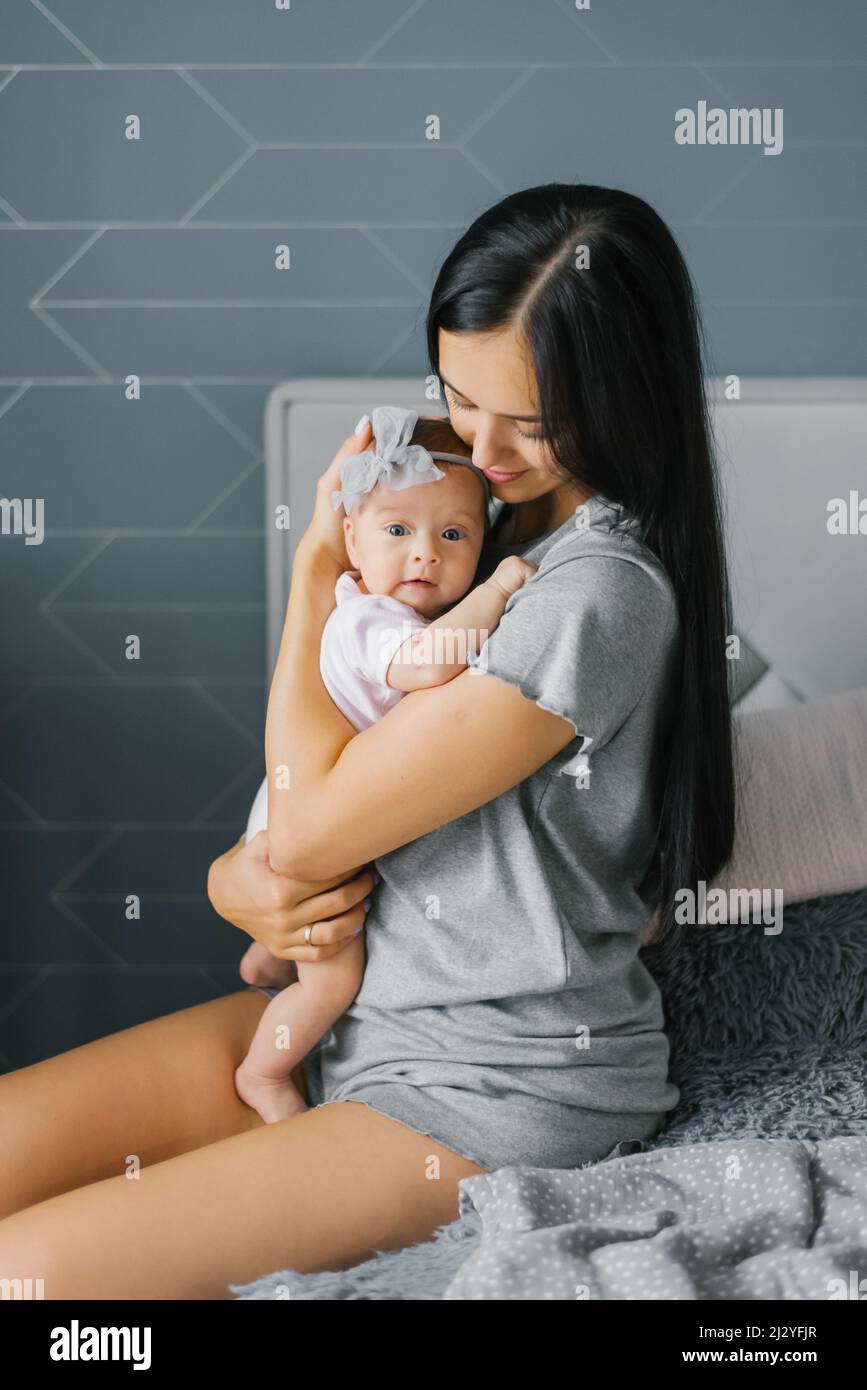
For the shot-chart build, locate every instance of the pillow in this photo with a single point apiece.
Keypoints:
(801, 818)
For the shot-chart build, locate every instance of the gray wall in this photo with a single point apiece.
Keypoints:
(156, 257)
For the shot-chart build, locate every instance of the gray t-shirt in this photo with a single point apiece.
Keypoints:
(504, 1010)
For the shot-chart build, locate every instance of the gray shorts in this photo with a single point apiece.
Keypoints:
(605, 1134)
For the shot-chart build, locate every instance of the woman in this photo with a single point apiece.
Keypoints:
(524, 818)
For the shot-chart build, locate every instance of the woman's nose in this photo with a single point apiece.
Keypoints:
(490, 449)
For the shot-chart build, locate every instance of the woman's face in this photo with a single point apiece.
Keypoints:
(490, 391)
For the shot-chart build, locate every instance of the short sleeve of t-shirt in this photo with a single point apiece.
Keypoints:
(371, 629)
(582, 640)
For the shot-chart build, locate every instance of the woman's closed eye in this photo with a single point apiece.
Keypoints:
(455, 404)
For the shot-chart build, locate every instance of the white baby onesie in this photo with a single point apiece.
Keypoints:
(359, 642)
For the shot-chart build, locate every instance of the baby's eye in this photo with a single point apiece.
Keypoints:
(455, 532)
(392, 525)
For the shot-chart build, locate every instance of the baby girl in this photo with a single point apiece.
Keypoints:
(406, 618)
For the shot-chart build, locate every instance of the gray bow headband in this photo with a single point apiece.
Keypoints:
(394, 462)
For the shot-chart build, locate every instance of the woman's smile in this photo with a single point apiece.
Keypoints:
(496, 475)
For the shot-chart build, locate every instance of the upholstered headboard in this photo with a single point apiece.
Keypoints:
(786, 448)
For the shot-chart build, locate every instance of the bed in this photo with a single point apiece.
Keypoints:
(768, 1033)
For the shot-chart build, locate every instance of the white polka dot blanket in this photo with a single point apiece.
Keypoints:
(749, 1219)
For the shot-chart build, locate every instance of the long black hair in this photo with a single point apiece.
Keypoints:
(615, 336)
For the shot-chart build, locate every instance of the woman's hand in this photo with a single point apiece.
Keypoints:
(275, 909)
(325, 532)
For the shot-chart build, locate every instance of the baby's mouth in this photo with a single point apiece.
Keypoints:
(428, 582)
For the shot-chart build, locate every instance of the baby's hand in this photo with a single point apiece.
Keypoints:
(511, 574)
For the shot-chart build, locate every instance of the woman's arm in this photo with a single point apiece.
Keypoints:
(274, 909)
(436, 755)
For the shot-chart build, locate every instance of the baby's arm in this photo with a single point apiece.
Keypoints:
(433, 655)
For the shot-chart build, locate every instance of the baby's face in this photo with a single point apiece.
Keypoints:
(430, 531)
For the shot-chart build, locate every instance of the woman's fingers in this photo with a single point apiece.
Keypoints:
(336, 900)
(335, 915)
(356, 442)
(329, 481)
(326, 529)
(327, 937)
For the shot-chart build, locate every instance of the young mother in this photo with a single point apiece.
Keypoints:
(525, 818)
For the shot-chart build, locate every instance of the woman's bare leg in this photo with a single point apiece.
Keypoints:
(153, 1091)
(322, 1190)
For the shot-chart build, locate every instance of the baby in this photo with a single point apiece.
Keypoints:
(406, 618)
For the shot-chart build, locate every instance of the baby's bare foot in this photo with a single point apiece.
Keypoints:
(259, 967)
(274, 1099)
